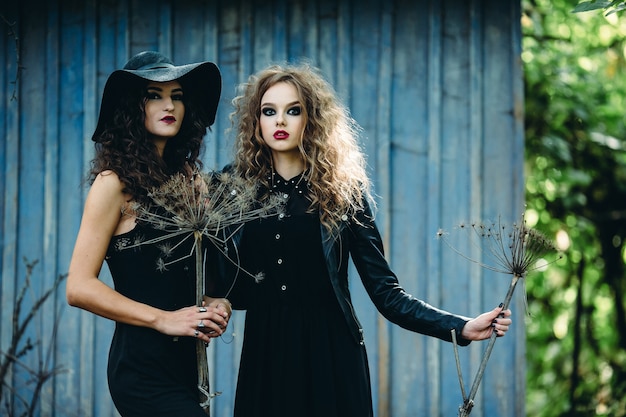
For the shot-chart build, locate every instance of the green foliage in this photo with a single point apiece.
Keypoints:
(575, 87)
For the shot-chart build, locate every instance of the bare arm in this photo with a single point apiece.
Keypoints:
(101, 219)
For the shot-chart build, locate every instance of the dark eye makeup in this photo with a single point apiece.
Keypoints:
(268, 111)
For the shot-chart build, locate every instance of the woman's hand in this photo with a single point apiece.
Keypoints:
(483, 326)
(204, 322)
(225, 309)
(221, 304)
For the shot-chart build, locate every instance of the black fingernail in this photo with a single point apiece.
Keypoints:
(501, 304)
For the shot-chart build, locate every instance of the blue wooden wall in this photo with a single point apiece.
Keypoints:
(436, 86)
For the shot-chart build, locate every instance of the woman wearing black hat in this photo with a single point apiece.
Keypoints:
(152, 121)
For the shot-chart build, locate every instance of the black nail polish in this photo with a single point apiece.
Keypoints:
(501, 304)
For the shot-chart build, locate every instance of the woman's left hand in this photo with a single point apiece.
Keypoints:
(225, 310)
(482, 327)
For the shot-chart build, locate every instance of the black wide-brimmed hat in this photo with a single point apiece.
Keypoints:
(201, 82)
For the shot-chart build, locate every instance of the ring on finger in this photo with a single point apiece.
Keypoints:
(202, 309)
(200, 325)
(196, 333)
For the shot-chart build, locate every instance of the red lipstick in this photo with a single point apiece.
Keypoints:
(281, 134)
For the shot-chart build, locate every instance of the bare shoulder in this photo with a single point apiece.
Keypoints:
(107, 179)
(107, 190)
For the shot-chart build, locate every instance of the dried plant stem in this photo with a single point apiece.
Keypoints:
(203, 364)
(13, 32)
(458, 364)
(18, 348)
(468, 403)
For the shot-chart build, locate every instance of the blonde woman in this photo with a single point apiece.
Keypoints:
(303, 350)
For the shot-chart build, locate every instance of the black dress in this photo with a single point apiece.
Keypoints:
(298, 358)
(150, 373)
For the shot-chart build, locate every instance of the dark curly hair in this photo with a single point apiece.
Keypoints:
(125, 148)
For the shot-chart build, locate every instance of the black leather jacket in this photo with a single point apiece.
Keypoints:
(360, 239)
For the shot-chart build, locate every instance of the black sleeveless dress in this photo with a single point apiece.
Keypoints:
(150, 373)
(298, 358)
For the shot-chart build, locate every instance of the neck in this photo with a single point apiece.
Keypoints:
(159, 144)
(288, 167)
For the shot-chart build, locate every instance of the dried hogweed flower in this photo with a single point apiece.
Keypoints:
(513, 250)
(211, 206)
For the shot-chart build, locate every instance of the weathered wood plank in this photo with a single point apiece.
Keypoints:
(504, 179)
(31, 171)
(51, 192)
(9, 160)
(409, 234)
(436, 120)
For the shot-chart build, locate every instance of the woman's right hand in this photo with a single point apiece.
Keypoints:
(204, 323)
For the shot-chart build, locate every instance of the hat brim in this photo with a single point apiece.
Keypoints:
(202, 82)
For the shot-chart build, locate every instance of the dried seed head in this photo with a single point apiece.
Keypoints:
(259, 276)
(208, 204)
(511, 249)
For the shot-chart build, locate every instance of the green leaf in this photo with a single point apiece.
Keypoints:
(587, 6)
(617, 9)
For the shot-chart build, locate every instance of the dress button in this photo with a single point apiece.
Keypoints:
(285, 195)
(186, 268)
(281, 215)
(277, 236)
(279, 261)
(283, 287)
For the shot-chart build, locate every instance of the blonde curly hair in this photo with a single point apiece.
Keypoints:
(334, 163)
